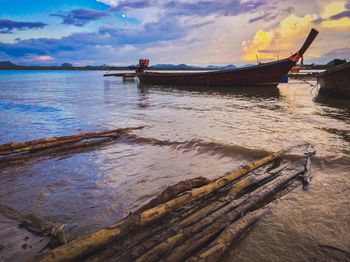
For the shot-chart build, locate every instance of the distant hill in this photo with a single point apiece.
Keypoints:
(221, 67)
(172, 66)
(189, 67)
(7, 64)
(212, 67)
(67, 65)
(104, 66)
(229, 67)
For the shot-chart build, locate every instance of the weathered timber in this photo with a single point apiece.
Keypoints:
(84, 146)
(235, 190)
(173, 225)
(254, 180)
(306, 176)
(307, 173)
(122, 247)
(172, 191)
(188, 240)
(147, 234)
(92, 242)
(36, 225)
(219, 245)
(181, 235)
(43, 143)
(173, 228)
(162, 209)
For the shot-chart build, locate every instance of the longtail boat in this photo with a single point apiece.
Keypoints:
(336, 80)
(265, 74)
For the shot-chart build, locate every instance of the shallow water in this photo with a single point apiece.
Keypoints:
(189, 133)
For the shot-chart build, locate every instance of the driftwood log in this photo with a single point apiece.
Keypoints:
(219, 245)
(92, 242)
(43, 143)
(16, 153)
(145, 234)
(188, 217)
(200, 233)
(36, 225)
(234, 191)
(172, 191)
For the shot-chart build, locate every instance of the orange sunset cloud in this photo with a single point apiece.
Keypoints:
(285, 38)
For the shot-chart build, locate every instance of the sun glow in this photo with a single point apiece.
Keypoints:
(269, 45)
(283, 39)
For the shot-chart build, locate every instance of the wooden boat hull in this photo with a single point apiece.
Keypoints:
(269, 74)
(336, 81)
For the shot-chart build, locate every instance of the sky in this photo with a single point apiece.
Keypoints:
(194, 32)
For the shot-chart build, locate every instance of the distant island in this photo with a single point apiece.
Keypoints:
(8, 65)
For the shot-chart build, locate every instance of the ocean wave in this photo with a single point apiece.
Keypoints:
(226, 150)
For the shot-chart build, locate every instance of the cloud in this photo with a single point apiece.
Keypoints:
(258, 18)
(184, 31)
(109, 2)
(124, 5)
(270, 16)
(47, 46)
(80, 17)
(190, 7)
(342, 53)
(291, 30)
(341, 15)
(261, 40)
(284, 37)
(166, 29)
(210, 7)
(336, 15)
(109, 37)
(8, 26)
(76, 46)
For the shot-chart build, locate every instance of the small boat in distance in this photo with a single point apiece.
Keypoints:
(336, 80)
(264, 74)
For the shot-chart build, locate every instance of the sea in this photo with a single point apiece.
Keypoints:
(188, 132)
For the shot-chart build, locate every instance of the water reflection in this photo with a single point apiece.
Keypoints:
(335, 107)
(129, 80)
(106, 85)
(143, 97)
(248, 92)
